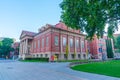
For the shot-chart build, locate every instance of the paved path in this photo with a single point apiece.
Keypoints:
(14, 70)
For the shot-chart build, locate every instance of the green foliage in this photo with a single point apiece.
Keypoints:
(67, 51)
(115, 42)
(5, 47)
(0, 43)
(118, 42)
(109, 48)
(36, 60)
(109, 68)
(74, 53)
(91, 16)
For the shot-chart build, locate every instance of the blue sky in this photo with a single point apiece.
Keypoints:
(18, 15)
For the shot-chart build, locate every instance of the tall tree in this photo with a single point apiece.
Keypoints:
(0, 48)
(5, 48)
(118, 42)
(91, 16)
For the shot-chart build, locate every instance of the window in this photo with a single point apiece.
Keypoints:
(56, 40)
(71, 42)
(73, 56)
(41, 55)
(46, 55)
(64, 41)
(79, 56)
(37, 55)
(43, 42)
(77, 43)
(34, 44)
(38, 43)
(65, 56)
(100, 44)
(82, 44)
(47, 41)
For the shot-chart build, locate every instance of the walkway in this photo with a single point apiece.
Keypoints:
(14, 70)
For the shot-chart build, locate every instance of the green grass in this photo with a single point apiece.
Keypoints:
(72, 60)
(109, 68)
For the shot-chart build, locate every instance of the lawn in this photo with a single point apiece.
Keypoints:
(109, 68)
(72, 60)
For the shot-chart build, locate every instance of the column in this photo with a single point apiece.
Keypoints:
(81, 55)
(68, 41)
(26, 46)
(62, 55)
(22, 47)
(68, 44)
(75, 49)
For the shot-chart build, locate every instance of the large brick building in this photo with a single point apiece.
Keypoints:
(53, 40)
(97, 47)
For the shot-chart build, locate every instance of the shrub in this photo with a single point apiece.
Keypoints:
(38, 59)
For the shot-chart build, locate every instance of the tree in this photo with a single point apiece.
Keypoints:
(67, 51)
(5, 48)
(115, 42)
(109, 48)
(91, 16)
(0, 48)
(118, 42)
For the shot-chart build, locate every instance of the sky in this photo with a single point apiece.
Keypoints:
(18, 15)
(30, 15)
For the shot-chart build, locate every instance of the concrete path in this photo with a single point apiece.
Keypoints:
(14, 70)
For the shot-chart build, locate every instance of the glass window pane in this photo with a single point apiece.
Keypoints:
(47, 41)
(34, 44)
(64, 41)
(38, 43)
(43, 42)
(82, 44)
(56, 40)
(71, 42)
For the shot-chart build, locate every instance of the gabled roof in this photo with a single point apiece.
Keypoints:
(27, 33)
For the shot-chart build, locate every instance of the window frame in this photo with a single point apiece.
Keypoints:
(77, 43)
(64, 41)
(56, 37)
(39, 43)
(47, 41)
(71, 42)
(42, 42)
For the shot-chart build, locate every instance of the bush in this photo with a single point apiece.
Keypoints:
(37, 59)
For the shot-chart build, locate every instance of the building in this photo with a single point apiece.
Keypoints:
(116, 35)
(15, 53)
(53, 40)
(97, 47)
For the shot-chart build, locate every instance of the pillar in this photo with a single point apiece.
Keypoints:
(81, 55)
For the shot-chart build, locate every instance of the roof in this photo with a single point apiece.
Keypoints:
(116, 35)
(28, 33)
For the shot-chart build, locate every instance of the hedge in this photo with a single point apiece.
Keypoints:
(38, 59)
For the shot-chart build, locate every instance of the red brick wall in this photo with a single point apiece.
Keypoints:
(63, 26)
(54, 47)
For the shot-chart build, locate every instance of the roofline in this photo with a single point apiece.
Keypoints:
(58, 29)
